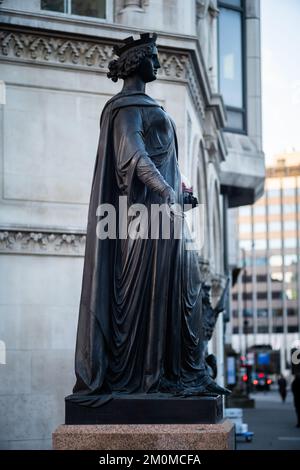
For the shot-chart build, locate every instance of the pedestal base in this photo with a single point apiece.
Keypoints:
(152, 408)
(145, 437)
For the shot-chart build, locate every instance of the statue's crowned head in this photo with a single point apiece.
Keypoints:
(131, 55)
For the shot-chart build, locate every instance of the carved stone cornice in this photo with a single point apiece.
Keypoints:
(41, 243)
(173, 65)
(43, 49)
(53, 50)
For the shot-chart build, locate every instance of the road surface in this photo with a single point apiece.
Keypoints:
(273, 423)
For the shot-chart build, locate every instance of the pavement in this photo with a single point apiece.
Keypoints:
(273, 423)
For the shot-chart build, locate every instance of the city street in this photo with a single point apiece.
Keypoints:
(273, 424)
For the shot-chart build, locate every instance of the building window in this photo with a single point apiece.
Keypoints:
(261, 261)
(276, 260)
(289, 192)
(291, 294)
(259, 210)
(261, 295)
(261, 278)
(260, 244)
(277, 329)
(262, 313)
(231, 62)
(290, 225)
(293, 329)
(247, 278)
(277, 277)
(245, 228)
(274, 226)
(91, 8)
(245, 211)
(290, 243)
(276, 295)
(54, 5)
(274, 210)
(274, 193)
(292, 312)
(290, 276)
(260, 227)
(262, 329)
(290, 260)
(289, 208)
(246, 244)
(275, 243)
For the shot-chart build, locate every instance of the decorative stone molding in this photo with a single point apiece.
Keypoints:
(195, 89)
(39, 243)
(173, 65)
(31, 47)
(48, 50)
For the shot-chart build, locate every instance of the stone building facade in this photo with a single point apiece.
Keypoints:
(53, 88)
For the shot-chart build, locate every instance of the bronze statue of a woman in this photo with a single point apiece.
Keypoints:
(140, 321)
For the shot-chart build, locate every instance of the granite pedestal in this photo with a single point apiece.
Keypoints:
(145, 437)
(146, 422)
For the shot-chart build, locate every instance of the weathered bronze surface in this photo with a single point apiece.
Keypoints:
(140, 327)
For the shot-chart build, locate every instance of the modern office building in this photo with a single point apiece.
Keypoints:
(53, 86)
(266, 298)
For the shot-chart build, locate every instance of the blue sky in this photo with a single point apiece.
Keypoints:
(280, 34)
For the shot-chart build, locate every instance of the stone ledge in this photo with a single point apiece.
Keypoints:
(145, 437)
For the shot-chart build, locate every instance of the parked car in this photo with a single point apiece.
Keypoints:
(261, 381)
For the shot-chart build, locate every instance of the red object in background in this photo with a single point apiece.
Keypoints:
(245, 378)
(255, 382)
(186, 189)
(269, 381)
(261, 375)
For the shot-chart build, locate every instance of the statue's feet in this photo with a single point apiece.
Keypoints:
(206, 386)
(213, 387)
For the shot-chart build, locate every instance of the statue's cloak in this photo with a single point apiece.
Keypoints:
(139, 327)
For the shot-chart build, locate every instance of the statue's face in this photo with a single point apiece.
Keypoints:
(148, 68)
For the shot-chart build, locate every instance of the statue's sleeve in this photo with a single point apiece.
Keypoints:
(131, 156)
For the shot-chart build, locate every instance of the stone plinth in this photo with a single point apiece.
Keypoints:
(145, 437)
(152, 408)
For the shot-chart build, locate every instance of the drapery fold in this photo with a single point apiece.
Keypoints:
(139, 327)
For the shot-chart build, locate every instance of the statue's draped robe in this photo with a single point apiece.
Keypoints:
(139, 328)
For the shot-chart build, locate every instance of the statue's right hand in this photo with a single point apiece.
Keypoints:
(168, 195)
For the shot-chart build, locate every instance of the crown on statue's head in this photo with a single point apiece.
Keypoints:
(129, 43)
